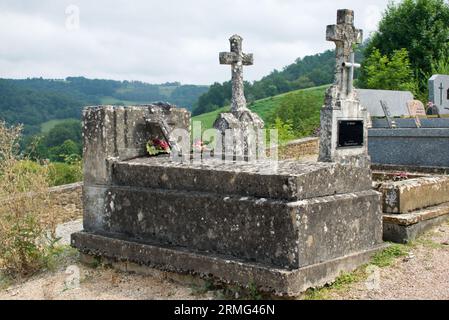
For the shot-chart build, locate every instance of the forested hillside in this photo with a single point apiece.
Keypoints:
(35, 101)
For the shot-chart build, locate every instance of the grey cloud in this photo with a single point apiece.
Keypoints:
(171, 40)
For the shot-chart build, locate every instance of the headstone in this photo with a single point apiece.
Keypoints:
(439, 92)
(416, 109)
(122, 133)
(390, 120)
(344, 120)
(240, 120)
(396, 101)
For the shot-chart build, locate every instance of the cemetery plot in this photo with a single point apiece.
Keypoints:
(411, 202)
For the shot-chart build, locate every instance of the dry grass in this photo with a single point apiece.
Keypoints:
(27, 220)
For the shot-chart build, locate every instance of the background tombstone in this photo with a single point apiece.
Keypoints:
(396, 101)
(416, 109)
(439, 92)
(240, 121)
(343, 119)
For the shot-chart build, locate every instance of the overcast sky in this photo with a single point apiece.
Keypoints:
(165, 40)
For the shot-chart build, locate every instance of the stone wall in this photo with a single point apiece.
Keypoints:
(68, 196)
(67, 200)
(299, 148)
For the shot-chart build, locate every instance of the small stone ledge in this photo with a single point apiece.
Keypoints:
(404, 228)
(417, 216)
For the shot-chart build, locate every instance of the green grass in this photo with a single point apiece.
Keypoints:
(207, 119)
(47, 126)
(265, 107)
(382, 259)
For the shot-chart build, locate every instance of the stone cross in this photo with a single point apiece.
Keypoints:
(345, 36)
(237, 59)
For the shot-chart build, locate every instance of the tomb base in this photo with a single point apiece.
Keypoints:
(134, 256)
(286, 230)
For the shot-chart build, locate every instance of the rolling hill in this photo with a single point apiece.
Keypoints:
(300, 108)
(37, 102)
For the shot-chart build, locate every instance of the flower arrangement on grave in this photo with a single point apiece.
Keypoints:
(157, 146)
(199, 146)
(399, 176)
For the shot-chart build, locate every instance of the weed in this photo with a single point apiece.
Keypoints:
(388, 256)
(27, 220)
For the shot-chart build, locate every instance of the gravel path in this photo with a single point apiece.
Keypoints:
(424, 274)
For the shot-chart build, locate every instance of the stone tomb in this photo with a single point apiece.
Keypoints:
(239, 223)
(284, 230)
(412, 202)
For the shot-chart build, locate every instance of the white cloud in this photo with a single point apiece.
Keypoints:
(159, 41)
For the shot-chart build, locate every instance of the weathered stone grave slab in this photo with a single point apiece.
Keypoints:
(412, 194)
(404, 228)
(413, 205)
(292, 181)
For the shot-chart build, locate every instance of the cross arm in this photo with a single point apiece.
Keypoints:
(358, 36)
(228, 57)
(351, 65)
(333, 33)
(248, 59)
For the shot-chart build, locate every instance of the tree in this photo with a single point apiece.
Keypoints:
(66, 150)
(420, 26)
(67, 130)
(386, 73)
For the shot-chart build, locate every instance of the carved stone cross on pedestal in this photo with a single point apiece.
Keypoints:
(237, 59)
(345, 36)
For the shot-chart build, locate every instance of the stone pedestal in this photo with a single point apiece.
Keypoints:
(243, 126)
(334, 146)
(117, 133)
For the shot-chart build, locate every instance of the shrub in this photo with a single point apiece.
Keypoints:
(60, 173)
(26, 217)
(285, 130)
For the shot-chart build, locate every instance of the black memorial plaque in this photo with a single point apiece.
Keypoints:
(350, 133)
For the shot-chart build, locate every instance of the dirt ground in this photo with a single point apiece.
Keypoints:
(422, 274)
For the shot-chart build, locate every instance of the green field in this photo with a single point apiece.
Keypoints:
(47, 126)
(306, 103)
